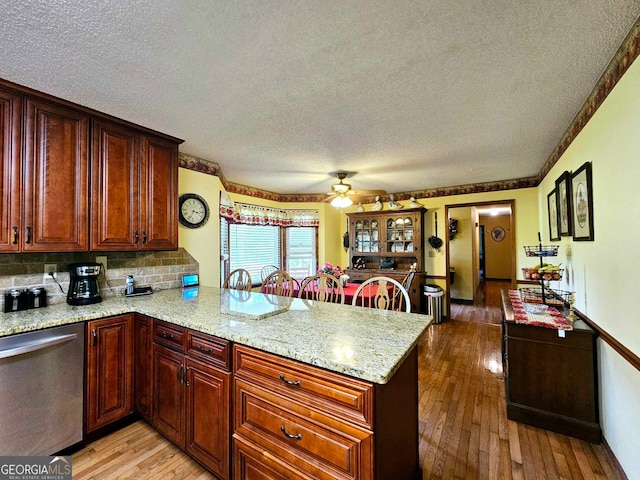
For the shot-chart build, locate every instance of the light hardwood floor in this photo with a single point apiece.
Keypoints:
(464, 432)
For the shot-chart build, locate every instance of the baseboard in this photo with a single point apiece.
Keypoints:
(462, 301)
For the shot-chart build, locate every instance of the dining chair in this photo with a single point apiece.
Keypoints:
(383, 293)
(323, 288)
(266, 271)
(239, 279)
(280, 283)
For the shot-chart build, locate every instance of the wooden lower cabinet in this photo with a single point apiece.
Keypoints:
(551, 377)
(143, 367)
(293, 420)
(109, 373)
(251, 463)
(191, 406)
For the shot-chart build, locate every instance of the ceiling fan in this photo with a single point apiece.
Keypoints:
(341, 195)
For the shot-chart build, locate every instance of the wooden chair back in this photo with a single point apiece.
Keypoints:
(239, 279)
(266, 271)
(383, 293)
(323, 288)
(280, 283)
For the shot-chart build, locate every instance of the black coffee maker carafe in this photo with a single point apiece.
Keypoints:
(83, 283)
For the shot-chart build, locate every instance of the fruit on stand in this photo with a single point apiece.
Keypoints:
(544, 271)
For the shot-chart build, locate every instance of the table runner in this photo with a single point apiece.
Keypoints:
(536, 314)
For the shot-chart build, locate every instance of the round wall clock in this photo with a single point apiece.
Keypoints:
(193, 210)
(498, 234)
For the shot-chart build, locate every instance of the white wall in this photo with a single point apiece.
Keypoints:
(604, 273)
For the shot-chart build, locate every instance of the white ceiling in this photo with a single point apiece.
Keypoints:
(409, 94)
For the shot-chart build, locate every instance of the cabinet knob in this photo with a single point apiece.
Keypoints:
(28, 235)
(137, 236)
(144, 236)
(15, 234)
(95, 337)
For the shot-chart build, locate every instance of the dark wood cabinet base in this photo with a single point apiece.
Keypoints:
(573, 427)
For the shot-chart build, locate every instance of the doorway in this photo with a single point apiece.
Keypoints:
(481, 256)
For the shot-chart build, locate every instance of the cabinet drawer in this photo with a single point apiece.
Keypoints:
(337, 395)
(169, 335)
(251, 463)
(210, 349)
(321, 446)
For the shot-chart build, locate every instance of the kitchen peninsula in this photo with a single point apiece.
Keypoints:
(317, 389)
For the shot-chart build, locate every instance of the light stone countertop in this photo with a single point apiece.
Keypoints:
(364, 343)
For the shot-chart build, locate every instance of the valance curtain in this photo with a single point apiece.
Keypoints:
(257, 215)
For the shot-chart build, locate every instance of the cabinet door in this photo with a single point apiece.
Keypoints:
(55, 179)
(159, 187)
(109, 351)
(208, 416)
(115, 179)
(168, 394)
(10, 171)
(143, 366)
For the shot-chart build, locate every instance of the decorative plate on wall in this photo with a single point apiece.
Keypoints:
(498, 234)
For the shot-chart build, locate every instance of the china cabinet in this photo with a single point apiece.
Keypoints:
(387, 244)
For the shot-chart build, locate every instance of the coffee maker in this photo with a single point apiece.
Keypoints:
(83, 283)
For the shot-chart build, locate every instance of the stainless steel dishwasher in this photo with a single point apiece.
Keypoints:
(41, 390)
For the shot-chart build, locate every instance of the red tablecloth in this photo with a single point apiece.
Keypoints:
(536, 314)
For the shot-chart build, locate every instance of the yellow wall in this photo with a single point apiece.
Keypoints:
(461, 252)
(604, 272)
(203, 243)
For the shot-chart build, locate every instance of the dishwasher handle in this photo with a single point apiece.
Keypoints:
(37, 345)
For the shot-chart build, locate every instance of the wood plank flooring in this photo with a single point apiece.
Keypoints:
(464, 432)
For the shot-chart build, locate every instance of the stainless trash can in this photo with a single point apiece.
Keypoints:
(434, 295)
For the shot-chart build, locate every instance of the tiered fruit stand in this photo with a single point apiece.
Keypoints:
(545, 294)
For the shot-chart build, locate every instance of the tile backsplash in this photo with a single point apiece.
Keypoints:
(160, 270)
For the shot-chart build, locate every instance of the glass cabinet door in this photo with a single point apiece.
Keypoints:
(367, 236)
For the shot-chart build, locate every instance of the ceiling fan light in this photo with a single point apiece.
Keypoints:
(341, 202)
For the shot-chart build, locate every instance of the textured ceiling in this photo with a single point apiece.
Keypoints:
(409, 94)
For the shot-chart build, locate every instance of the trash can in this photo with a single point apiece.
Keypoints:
(434, 295)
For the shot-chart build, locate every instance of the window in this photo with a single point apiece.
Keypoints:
(300, 251)
(253, 246)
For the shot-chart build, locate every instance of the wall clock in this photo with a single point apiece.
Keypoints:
(498, 234)
(193, 210)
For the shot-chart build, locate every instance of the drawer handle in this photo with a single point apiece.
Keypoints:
(289, 382)
(167, 335)
(205, 350)
(288, 435)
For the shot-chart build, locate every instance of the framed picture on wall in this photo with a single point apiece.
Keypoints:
(552, 209)
(564, 204)
(582, 199)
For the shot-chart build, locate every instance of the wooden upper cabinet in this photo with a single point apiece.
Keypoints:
(114, 187)
(134, 185)
(159, 184)
(10, 170)
(56, 169)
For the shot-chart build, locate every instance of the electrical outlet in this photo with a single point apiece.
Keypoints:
(50, 270)
(103, 260)
(432, 254)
